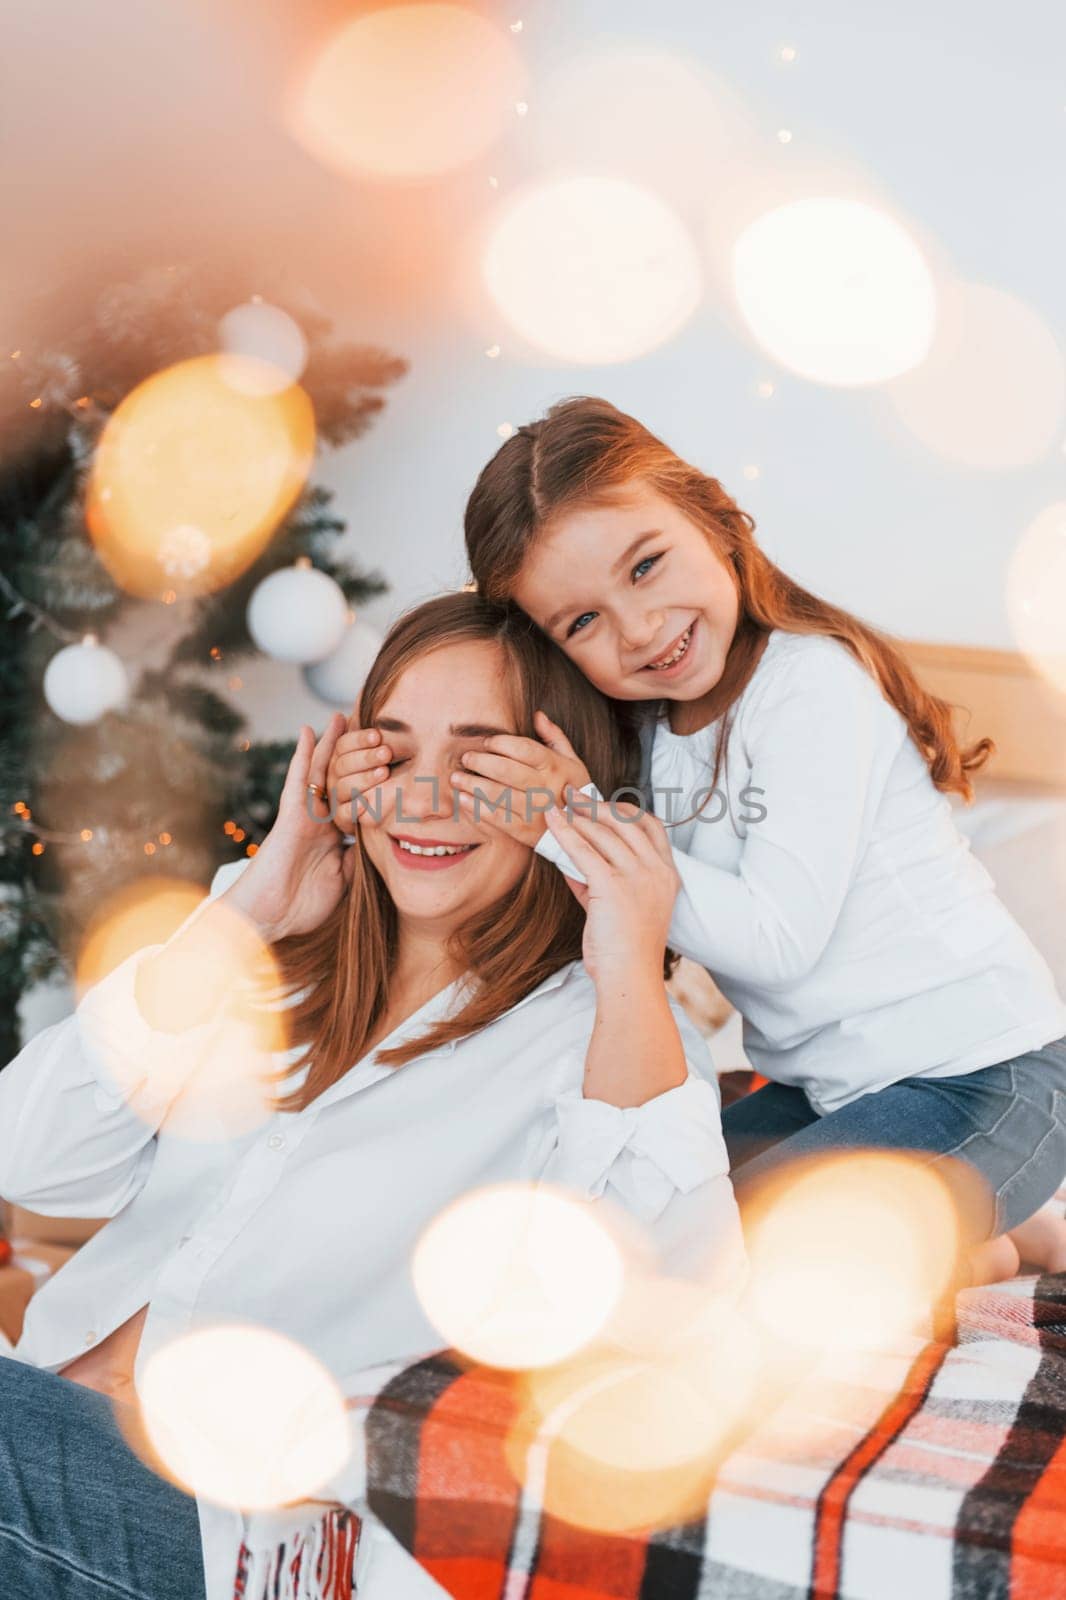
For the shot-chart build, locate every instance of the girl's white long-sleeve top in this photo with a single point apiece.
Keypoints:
(306, 1222)
(828, 891)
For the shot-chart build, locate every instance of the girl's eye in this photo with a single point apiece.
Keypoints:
(647, 560)
(397, 763)
(579, 622)
(645, 565)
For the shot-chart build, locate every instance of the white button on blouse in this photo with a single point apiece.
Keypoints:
(318, 1243)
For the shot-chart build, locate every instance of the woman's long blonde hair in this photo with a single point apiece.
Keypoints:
(346, 965)
(582, 453)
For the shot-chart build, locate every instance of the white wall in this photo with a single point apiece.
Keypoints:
(134, 132)
(956, 111)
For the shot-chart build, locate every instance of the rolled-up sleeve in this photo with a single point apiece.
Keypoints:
(664, 1162)
(646, 1154)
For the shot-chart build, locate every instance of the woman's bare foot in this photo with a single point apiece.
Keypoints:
(1041, 1241)
(994, 1261)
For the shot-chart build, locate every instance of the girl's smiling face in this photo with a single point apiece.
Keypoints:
(441, 868)
(635, 594)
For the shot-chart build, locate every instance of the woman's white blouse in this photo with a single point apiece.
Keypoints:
(829, 892)
(306, 1222)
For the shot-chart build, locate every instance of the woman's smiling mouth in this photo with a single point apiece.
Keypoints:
(428, 855)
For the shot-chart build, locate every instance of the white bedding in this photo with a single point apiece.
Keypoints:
(1020, 836)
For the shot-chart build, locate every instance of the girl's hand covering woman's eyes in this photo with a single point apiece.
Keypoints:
(536, 773)
(302, 868)
(359, 763)
(632, 885)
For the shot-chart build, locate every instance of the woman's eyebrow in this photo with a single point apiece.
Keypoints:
(460, 730)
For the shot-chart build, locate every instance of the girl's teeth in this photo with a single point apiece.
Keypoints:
(678, 653)
(434, 849)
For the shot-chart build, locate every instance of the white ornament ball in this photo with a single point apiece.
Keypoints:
(297, 614)
(263, 351)
(82, 682)
(338, 679)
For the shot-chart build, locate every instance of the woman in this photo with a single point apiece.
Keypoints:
(442, 959)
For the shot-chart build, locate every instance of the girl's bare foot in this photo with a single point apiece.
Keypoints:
(1041, 1241)
(994, 1261)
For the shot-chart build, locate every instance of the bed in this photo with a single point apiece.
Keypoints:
(935, 1471)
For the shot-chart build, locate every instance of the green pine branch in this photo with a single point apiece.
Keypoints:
(157, 784)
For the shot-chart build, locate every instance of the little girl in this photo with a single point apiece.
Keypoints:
(887, 994)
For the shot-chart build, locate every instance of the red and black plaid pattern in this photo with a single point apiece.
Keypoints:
(939, 1475)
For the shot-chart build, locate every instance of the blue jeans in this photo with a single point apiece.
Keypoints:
(81, 1517)
(1005, 1122)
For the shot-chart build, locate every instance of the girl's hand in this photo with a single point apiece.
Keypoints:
(631, 889)
(529, 769)
(302, 868)
(358, 763)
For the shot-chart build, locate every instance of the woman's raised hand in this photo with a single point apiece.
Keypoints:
(629, 897)
(302, 868)
(358, 763)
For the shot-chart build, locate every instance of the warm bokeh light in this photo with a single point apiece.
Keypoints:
(657, 119)
(992, 393)
(1036, 594)
(518, 1275)
(145, 912)
(853, 1249)
(192, 476)
(227, 1094)
(262, 349)
(592, 270)
(836, 290)
(407, 92)
(243, 1416)
(620, 1439)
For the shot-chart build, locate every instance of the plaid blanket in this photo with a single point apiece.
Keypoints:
(940, 1474)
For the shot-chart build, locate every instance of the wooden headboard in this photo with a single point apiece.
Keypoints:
(999, 693)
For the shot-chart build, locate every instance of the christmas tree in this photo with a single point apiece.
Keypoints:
(167, 784)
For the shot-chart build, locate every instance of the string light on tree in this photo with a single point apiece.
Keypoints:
(298, 613)
(784, 135)
(788, 52)
(83, 682)
(182, 481)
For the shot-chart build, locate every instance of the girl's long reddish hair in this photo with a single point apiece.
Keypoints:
(582, 453)
(337, 978)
